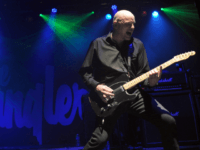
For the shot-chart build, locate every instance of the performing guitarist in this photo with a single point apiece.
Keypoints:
(106, 59)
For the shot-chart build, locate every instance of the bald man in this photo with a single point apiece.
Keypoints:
(108, 59)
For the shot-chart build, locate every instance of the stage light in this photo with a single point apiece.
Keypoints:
(40, 15)
(108, 17)
(92, 12)
(114, 7)
(162, 8)
(54, 10)
(180, 14)
(155, 14)
(144, 13)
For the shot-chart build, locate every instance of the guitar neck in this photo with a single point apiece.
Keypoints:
(141, 78)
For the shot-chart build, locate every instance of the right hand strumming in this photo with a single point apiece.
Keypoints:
(107, 92)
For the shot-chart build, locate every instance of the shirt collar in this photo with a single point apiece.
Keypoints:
(108, 39)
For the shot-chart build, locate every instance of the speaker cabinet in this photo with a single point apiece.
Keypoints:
(195, 81)
(197, 102)
(180, 105)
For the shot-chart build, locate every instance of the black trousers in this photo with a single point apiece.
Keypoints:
(144, 107)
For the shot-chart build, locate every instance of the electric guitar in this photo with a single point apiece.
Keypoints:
(121, 85)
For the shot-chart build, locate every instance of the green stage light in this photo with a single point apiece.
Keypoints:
(92, 12)
(162, 8)
(67, 27)
(183, 16)
(45, 17)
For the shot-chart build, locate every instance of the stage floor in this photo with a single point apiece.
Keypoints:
(191, 147)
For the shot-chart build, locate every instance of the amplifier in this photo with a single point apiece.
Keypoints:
(195, 80)
(170, 81)
(181, 107)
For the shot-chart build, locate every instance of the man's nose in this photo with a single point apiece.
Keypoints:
(132, 26)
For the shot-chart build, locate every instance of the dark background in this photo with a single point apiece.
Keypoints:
(26, 51)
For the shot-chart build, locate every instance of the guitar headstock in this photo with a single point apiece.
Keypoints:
(184, 56)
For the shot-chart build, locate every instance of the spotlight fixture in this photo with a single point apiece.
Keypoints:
(144, 13)
(108, 16)
(54, 10)
(114, 7)
(155, 14)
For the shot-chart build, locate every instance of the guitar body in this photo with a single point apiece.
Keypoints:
(123, 90)
(103, 109)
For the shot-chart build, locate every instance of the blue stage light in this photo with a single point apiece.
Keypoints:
(155, 14)
(108, 16)
(114, 7)
(54, 10)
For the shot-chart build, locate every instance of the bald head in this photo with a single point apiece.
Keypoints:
(123, 25)
(123, 15)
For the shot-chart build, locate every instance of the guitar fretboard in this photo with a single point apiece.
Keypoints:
(141, 78)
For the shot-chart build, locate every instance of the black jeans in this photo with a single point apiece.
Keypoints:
(144, 107)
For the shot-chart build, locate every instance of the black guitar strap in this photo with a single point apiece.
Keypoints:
(131, 70)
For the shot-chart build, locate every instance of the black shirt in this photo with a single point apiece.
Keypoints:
(105, 61)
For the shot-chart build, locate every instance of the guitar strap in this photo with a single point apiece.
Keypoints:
(131, 70)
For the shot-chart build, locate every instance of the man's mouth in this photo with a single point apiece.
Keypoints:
(129, 33)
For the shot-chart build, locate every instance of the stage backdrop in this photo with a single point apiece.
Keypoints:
(40, 90)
